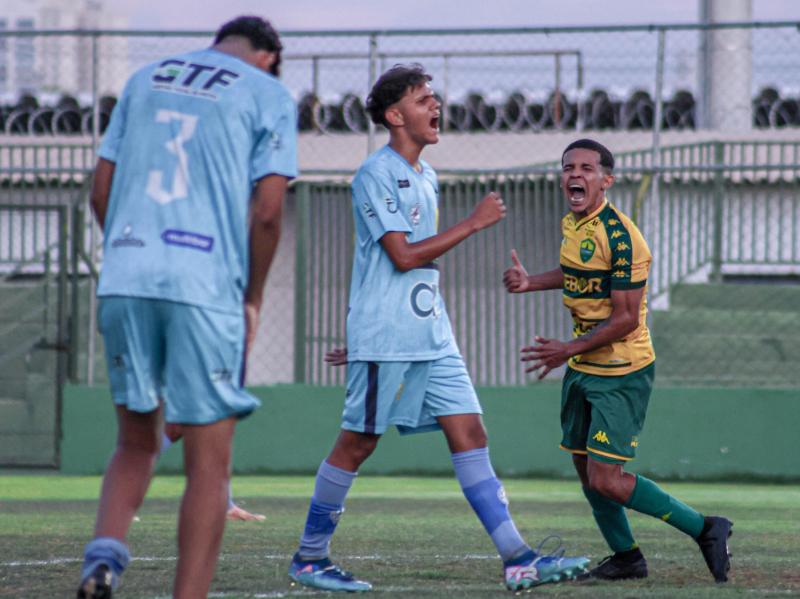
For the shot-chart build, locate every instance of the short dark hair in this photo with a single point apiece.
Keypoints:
(391, 86)
(606, 157)
(260, 32)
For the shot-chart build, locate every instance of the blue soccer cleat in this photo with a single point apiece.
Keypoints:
(324, 574)
(532, 568)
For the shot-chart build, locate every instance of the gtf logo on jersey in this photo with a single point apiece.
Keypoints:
(423, 300)
(193, 79)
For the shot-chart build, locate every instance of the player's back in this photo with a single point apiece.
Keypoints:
(190, 136)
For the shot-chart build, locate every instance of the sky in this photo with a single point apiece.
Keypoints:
(425, 14)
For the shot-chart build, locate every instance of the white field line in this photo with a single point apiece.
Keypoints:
(223, 557)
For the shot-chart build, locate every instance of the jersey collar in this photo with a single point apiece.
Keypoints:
(587, 218)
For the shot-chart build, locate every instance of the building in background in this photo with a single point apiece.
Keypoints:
(58, 64)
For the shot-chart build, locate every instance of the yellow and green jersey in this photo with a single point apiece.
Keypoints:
(602, 252)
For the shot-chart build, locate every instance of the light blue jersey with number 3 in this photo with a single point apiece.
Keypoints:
(190, 136)
(393, 315)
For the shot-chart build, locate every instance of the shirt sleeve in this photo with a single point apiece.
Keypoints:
(630, 258)
(375, 200)
(275, 151)
(112, 138)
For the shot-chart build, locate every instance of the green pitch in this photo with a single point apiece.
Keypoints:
(411, 537)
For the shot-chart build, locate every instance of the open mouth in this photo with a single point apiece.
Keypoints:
(576, 192)
(435, 123)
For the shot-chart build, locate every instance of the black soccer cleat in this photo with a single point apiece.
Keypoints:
(620, 566)
(97, 585)
(713, 543)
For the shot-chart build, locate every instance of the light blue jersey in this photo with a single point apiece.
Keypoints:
(395, 316)
(190, 136)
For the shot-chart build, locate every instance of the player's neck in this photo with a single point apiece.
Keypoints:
(408, 149)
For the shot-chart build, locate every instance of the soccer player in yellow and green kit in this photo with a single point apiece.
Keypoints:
(610, 365)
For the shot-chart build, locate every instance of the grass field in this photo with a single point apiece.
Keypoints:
(411, 537)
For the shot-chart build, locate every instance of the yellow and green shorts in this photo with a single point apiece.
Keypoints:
(602, 416)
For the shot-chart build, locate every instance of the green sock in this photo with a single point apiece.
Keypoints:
(612, 521)
(649, 498)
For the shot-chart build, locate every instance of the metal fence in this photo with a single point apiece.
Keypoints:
(704, 121)
(511, 96)
(723, 211)
(711, 212)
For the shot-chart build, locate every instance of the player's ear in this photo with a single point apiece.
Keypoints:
(393, 116)
(265, 59)
(608, 181)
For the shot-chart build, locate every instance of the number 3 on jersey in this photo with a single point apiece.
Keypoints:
(180, 181)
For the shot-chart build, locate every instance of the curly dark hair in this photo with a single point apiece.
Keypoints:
(260, 32)
(606, 157)
(391, 86)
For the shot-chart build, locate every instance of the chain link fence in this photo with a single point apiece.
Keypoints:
(704, 120)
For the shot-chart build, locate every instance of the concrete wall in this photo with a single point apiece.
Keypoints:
(690, 433)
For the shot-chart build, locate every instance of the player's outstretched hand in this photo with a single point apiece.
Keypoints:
(516, 278)
(337, 357)
(489, 210)
(546, 355)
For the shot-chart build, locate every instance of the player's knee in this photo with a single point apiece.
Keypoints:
(363, 447)
(607, 486)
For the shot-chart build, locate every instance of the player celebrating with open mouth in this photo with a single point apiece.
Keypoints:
(405, 368)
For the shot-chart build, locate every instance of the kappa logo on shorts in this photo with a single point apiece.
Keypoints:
(601, 437)
(635, 442)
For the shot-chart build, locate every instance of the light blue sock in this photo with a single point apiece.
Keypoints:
(327, 505)
(109, 551)
(487, 497)
(166, 443)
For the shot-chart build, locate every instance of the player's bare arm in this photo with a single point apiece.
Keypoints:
(101, 189)
(517, 280)
(265, 231)
(407, 256)
(548, 354)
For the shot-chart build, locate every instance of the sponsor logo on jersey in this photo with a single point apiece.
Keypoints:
(423, 300)
(188, 239)
(587, 249)
(127, 239)
(601, 437)
(403, 183)
(191, 78)
(582, 285)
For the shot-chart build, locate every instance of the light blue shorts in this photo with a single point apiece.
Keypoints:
(408, 395)
(190, 358)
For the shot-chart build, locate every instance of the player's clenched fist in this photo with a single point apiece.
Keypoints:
(490, 210)
(516, 278)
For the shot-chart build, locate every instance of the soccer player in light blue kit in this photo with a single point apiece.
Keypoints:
(189, 192)
(404, 367)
